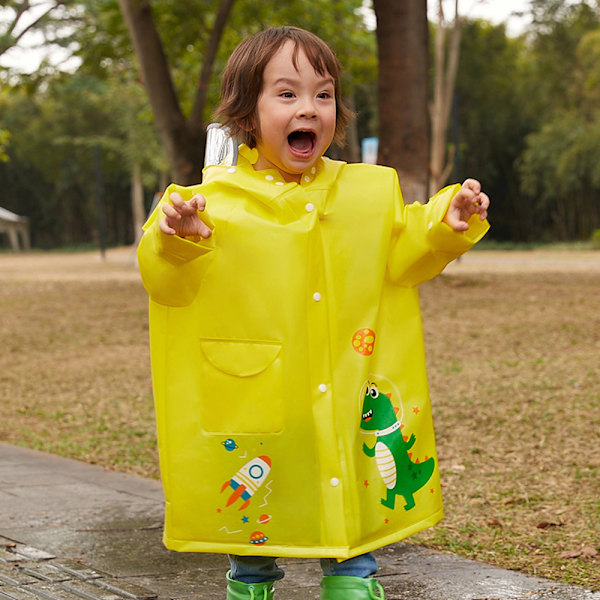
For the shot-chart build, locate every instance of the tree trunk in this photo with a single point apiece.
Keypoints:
(403, 46)
(446, 68)
(137, 203)
(182, 139)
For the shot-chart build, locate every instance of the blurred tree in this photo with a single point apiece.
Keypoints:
(50, 177)
(183, 138)
(57, 119)
(559, 167)
(446, 58)
(180, 107)
(403, 48)
(48, 17)
(4, 142)
(490, 121)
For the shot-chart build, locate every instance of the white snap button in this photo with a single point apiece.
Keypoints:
(334, 481)
(306, 178)
(313, 170)
(316, 297)
(231, 170)
(269, 177)
(322, 388)
(279, 183)
(430, 226)
(309, 207)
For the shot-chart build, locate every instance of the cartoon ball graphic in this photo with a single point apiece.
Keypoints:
(363, 341)
(258, 538)
(229, 444)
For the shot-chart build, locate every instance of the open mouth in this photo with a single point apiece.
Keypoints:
(302, 142)
(368, 415)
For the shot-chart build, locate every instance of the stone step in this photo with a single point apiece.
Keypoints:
(27, 573)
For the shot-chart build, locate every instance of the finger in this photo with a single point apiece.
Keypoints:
(484, 205)
(199, 202)
(184, 208)
(165, 228)
(473, 185)
(465, 197)
(205, 230)
(458, 225)
(171, 212)
(176, 199)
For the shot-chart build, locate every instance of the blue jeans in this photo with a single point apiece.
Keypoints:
(259, 569)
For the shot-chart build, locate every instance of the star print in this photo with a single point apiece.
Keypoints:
(387, 521)
(432, 491)
(245, 519)
(218, 510)
(416, 410)
(366, 483)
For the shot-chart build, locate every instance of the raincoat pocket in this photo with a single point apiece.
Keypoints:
(241, 382)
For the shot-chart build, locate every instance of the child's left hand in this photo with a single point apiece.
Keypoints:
(468, 201)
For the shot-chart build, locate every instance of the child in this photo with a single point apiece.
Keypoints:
(287, 349)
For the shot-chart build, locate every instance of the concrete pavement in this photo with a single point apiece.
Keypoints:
(73, 531)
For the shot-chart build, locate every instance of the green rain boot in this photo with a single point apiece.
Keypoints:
(237, 590)
(341, 587)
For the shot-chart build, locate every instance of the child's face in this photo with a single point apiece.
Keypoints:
(296, 115)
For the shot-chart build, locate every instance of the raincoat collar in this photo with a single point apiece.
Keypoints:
(268, 185)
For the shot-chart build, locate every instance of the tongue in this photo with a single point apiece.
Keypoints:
(300, 141)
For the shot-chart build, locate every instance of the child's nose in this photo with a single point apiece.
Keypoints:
(307, 110)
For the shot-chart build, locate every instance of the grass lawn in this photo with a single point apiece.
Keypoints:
(514, 368)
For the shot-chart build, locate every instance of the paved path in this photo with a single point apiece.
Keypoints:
(73, 531)
(527, 261)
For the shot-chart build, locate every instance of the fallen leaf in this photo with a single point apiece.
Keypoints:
(494, 523)
(585, 552)
(548, 524)
(571, 554)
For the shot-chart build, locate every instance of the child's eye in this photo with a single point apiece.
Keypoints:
(324, 95)
(286, 95)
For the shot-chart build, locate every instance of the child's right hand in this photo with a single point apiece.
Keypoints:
(183, 219)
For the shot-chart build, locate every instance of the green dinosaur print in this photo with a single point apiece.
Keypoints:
(401, 476)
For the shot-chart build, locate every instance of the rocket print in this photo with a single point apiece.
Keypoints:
(247, 480)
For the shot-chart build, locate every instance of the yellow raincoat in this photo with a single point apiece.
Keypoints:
(288, 361)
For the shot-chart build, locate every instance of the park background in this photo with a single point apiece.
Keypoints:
(83, 155)
(81, 144)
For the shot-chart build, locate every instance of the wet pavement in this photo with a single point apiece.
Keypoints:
(73, 531)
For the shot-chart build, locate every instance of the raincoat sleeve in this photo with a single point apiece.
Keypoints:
(422, 245)
(172, 267)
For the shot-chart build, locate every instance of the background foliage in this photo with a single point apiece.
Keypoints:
(526, 117)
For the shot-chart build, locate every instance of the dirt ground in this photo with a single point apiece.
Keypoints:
(513, 352)
(120, 264)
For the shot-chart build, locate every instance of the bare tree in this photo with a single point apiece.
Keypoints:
(446, 59)
(18, 12)
(183, 138)
(403, 46)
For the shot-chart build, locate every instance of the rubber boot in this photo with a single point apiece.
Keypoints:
(341, 587)
(237, 590)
